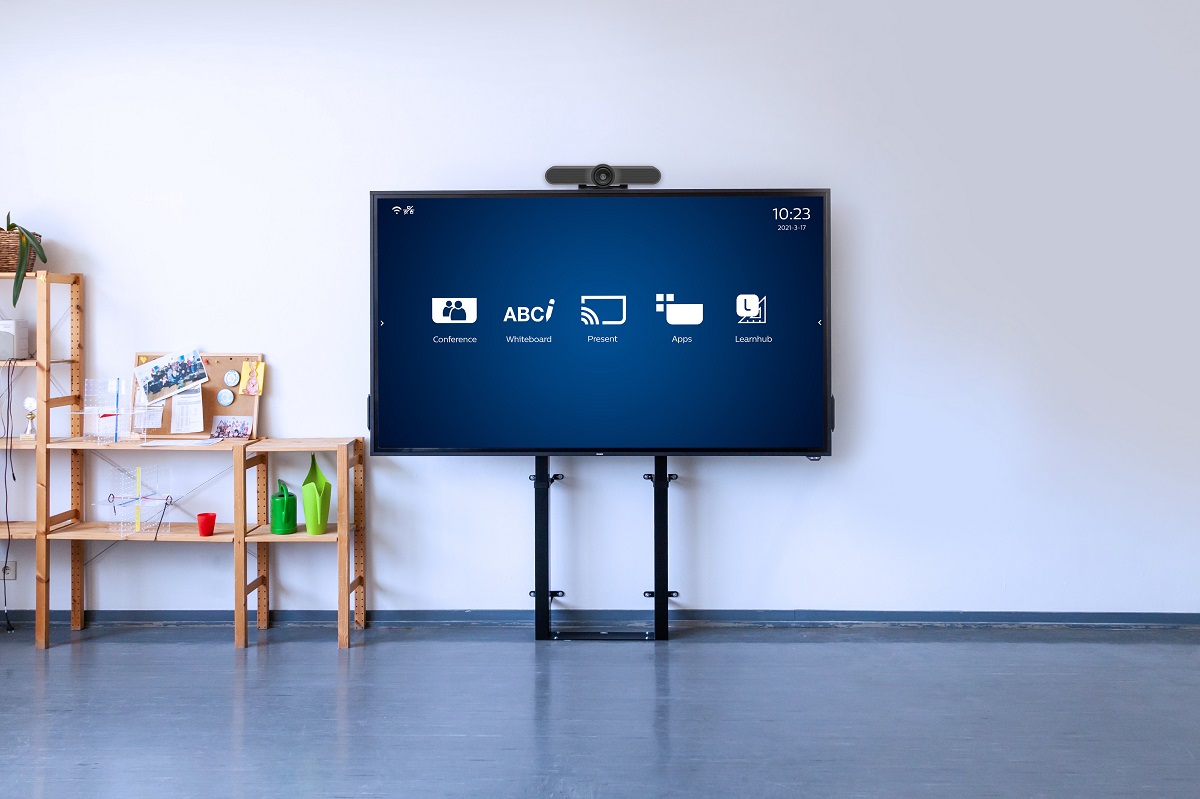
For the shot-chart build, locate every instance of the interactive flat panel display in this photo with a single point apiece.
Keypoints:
(612, 321)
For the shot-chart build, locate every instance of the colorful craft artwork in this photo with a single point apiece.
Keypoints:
(252, 378)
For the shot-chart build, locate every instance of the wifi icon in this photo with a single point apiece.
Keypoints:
(588, 316)
(396, 209)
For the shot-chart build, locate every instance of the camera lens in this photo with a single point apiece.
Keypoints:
(602, 175)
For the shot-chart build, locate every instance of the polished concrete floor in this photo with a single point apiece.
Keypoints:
(717, 711)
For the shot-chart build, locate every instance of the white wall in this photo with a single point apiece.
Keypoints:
(1015, 275)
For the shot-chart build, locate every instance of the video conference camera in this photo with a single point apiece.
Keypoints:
(602, 176)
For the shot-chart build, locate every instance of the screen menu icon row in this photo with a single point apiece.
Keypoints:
(598, 309)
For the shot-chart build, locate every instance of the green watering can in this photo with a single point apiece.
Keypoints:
(283, 511)
(316, 491)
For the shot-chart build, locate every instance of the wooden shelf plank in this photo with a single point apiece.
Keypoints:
(21, 531)
(264, 535)
(42, 274)
(300, 444)
(179, 532)
(33, 361)
(17, 443)
(225, 445)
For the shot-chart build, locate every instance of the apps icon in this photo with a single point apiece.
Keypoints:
(602, 309)
(679, 313)
(455, 310)
(751, 309)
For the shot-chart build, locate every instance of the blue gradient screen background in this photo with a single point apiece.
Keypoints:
(643, 393)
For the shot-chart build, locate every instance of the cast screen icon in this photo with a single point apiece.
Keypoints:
(602, 309)
(679, 313)
(455, 310)
(751, 309)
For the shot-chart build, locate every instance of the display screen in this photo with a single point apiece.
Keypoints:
(600, 322)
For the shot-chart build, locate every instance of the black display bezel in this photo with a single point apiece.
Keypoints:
(826, 449)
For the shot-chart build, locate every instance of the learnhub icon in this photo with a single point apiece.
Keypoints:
(454, 310)
(602, 309)
(751, 309)
(679, 313)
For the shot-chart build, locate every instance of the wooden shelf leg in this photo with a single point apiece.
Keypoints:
(360, 539)
(42, 600)
(264, 588)
(343, 545)
(239, 545)
(239, 594)
(78, 560)
(41, 634)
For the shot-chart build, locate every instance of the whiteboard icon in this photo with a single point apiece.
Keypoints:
(679, 313)
(597, 309)
(455, 310)
(751, 309)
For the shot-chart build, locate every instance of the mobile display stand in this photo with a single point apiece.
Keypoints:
(598, 178)
(543, 595)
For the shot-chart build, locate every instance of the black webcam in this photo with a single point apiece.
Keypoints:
(602, 176)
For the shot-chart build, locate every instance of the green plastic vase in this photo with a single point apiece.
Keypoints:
(316, 491)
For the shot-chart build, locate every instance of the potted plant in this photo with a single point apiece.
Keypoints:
(15, 237)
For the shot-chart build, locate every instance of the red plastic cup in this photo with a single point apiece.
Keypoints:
(207, 523)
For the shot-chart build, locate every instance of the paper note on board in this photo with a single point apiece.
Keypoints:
(187, 412)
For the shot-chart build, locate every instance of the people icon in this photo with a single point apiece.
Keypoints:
(448, 310)
(458, 313)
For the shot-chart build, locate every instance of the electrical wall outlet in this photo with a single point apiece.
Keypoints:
(10, 571)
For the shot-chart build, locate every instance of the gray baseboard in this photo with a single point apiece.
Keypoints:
(578, 618)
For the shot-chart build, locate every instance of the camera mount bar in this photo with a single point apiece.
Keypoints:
(543, 595)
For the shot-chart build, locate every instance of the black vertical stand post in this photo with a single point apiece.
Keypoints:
(661, 593)
(541, 547)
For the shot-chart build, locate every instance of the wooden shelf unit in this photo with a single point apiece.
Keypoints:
(70, 525)
(43, 360)
(351, 515)
(247, 455)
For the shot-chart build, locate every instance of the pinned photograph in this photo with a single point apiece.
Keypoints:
(167, 376)
(253, 373)
(232, 426)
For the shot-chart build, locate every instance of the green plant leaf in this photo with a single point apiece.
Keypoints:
(37, 245)
(19, 278)
(8, 222)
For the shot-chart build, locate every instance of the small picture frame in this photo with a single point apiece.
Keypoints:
(232, 426)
